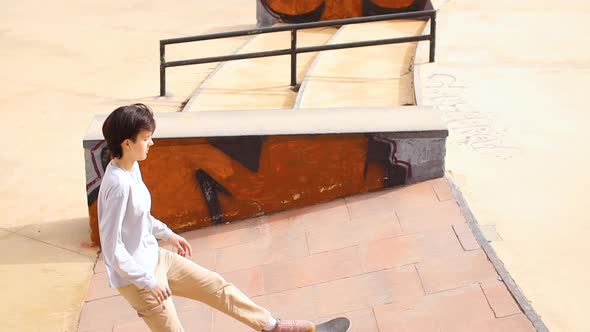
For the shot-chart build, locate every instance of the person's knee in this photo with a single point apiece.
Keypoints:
(219, 287)
(219, 281)
(161, 317)
(153, 310)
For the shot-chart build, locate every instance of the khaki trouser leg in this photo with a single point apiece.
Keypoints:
(190, 280)
(158, 317)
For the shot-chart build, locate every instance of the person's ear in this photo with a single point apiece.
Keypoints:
(125, 144)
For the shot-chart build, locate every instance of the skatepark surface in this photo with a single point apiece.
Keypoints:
(509, 79)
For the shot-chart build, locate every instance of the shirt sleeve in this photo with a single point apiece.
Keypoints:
(113, 249)
(160, 230)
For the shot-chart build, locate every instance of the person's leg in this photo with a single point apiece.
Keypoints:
(190, 280)
(158, 317)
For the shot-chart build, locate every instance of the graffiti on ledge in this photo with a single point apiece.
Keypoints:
(293, 11)
(199, 182)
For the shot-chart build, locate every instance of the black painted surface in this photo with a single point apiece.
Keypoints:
(312, 16)
(370, 8)
(209, 188)
(244, 149)
(384, 153)
(93, 196)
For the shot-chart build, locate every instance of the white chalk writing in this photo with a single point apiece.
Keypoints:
(467, 125)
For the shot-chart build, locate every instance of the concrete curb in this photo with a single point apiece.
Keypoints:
(212, 74)
(513, 288)
(311, 68)
(420, 59)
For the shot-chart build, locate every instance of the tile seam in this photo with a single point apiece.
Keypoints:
(375, 318)
(420, 278)
(488, 300)
(49, 244)
(344, 278)
(458, 238)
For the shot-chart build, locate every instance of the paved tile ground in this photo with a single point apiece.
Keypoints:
(399, 260)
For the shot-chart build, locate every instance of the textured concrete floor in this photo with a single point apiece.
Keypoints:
(399, 260)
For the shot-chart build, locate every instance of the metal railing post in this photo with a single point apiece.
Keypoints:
(162, 70)
(432, 36)
(293, 58)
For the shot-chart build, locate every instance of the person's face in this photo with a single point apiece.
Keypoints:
(138, 150)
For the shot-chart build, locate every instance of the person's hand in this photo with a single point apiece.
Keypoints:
(184, 248)
(161, 292)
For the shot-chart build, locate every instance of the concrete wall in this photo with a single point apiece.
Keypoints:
(269, 12)
(201, 181)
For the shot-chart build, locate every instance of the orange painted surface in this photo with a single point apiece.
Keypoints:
(333, 9)
(294, 7)
(394, 4)
(294, 171)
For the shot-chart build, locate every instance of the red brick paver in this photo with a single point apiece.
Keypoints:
(446, 311)
(398, 260)
(353, 233)
(99, 288)
(310, 270)
(444, 274)
(500, 300)
(466, 237)
(442, 189)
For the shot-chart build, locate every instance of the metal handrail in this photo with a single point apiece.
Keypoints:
(293, 50)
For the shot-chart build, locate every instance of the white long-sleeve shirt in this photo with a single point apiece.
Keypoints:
(127, 229)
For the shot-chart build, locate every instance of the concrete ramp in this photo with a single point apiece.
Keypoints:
(261, 83)
(377, 76)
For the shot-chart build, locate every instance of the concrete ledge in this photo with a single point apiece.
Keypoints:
(312, 69)
(208, 168)
(407, 119)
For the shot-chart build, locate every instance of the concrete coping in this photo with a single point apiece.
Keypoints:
(406, 119)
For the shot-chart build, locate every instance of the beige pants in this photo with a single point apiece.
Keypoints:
(187, 279)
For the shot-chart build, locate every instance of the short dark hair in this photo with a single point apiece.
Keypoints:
(124, 123)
